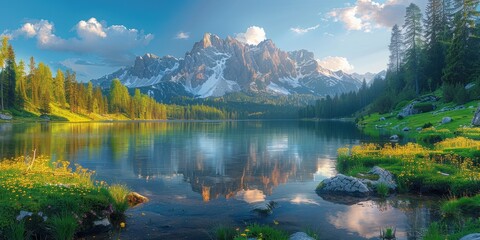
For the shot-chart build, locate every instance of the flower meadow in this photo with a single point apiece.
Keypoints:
(47, 198)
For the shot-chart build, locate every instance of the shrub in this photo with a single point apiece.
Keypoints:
(382, 190)
(449, 92)
(427, 125)
(434, 232)
(430, 139)
(119, 194)
(63, 226)
(225, 233)
(424, 107)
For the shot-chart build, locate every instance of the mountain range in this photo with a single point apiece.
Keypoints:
(215, 67)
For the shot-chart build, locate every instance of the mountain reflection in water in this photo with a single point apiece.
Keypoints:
(201, 174)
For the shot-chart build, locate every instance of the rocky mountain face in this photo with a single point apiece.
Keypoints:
(215, 67)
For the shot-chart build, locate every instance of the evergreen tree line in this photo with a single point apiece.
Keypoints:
(345, 104)
(39, 90)
(438, 51)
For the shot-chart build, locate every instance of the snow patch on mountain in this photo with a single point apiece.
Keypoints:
(216, 85)
(274, 88)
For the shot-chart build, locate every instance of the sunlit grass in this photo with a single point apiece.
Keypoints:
(49, 188)
(419, 169)
(119, 194)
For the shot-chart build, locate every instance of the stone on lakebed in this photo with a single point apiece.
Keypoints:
(135, 198)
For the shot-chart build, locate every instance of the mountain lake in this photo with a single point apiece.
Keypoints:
(201, 175)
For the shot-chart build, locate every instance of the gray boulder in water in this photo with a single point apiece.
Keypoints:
(300, 236)
(342, 184)
(356, 187)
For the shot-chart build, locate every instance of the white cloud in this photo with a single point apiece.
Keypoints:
(182, 35)
(299, 30)
(113, 44)
(366, 15)
(28, 29)
(253, 36)
(90, 29)
(336, 64)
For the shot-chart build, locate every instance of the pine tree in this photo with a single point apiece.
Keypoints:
(413, 43)
(21, 86)
(436, 19)
(3, 57)
(9, 78)
(32, 84)
(59, 88)
(89, 97)
(460, 67)
(396, 50)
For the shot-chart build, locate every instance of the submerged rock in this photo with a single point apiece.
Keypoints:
(406, 129)
(99, 226)
(135, 198)
(300, 236)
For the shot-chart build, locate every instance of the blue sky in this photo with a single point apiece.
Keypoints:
(95, 38)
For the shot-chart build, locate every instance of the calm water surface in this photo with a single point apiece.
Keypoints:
(199, 175)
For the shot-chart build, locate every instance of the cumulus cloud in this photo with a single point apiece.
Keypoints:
(366, 15)
(299, 30)
(182, 35)
(253, 36)
(113, 44)
(336, 64)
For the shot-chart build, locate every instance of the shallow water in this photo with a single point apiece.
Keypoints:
(199, 175)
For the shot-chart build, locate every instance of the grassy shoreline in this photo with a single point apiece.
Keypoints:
(43, 199)
(449, 168)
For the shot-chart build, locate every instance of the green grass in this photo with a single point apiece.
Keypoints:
(16, 231)
(445, 170)
(46, 189)
(119, 194)
(382, 190)
(63, 227)
(460, 217)
(252, 231)
(59, 113)
(372, 125)
(225, 233)
(263, 232)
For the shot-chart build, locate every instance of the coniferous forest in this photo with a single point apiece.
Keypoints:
(33, 87)
(436, 51)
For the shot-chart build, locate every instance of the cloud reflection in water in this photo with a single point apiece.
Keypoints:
(251, 196)
(366, 219)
